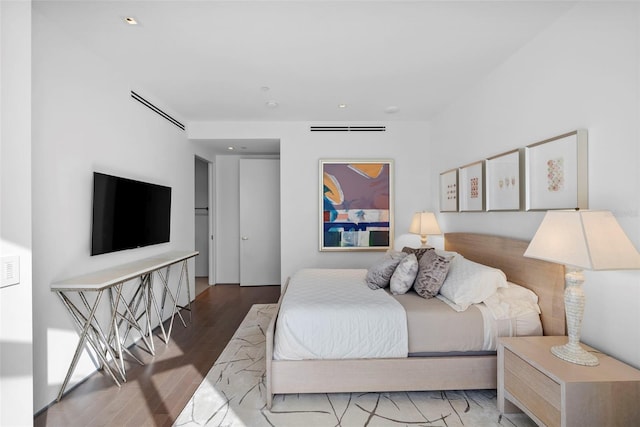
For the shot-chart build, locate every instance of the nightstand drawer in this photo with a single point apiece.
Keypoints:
(532, 388)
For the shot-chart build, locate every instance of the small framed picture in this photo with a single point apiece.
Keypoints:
(471, 192)
(356, 205)
(503, 181)
(449, 191)
(556, 173)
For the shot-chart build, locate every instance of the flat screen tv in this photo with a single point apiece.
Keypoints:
(128, 214)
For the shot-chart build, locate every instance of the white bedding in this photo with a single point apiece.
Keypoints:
(332, 314)
(512, 311)
(520, 325)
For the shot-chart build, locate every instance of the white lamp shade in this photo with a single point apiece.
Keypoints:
(424, 223)
(586, 239)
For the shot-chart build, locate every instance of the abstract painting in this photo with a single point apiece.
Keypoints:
(356, 204)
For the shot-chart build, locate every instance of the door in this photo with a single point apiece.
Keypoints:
(259, 222)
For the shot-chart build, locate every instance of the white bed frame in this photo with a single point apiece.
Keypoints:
(427, 373)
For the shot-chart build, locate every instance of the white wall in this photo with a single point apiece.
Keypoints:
(16, 344)
(407, 143)
(84, 120)
(581, 72)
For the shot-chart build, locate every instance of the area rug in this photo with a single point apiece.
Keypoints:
(234, 394)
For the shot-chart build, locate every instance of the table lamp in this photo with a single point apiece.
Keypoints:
(581, 239)
(424, 223)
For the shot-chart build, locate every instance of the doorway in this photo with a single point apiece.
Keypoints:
(203, 220)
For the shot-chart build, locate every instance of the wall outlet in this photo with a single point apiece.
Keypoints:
(9, 271)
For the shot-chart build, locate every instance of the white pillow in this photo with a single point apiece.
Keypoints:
(402, 279)
(512, 301)
(471, 283)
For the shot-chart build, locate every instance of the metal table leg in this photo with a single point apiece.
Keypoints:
(88, 320)
(152, 298)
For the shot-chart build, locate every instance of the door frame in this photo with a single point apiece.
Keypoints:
(211, 261)
(212, 223)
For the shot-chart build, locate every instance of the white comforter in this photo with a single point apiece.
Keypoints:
(332, 314)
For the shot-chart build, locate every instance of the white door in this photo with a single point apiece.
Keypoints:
(259, 222)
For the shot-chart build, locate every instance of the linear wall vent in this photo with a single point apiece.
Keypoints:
(156, 110)
(348, 128)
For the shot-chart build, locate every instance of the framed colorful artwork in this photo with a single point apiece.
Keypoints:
(471, 192)
(556, 173)
(449, 191)
(356, 205)
(503, 181)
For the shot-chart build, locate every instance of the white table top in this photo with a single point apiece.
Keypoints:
(103, 279)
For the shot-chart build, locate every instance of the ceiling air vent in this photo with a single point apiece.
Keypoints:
(348, 128)
(156, 110)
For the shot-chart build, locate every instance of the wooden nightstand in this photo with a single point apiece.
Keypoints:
(558, 393)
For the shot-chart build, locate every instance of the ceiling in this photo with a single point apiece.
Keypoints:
(299, 60)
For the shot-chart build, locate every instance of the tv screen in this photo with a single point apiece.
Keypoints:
(128, 214)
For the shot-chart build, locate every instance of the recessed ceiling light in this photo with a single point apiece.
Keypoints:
(230, 148)
(342, 105)
(131, 20)
(391, 109)
(271, 104)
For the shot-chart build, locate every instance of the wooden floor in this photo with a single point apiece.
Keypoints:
(155, 393)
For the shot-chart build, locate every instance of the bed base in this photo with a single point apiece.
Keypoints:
(375, 375)
(426, 373)
(382, 375)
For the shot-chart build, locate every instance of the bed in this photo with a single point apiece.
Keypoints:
(460, 371)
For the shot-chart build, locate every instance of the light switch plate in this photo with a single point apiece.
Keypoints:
(9, 270)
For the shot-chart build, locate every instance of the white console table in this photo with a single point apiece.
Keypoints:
(109, 344)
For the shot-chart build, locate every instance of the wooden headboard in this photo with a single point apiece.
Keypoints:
(544, 278)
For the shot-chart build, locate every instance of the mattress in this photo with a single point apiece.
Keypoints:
(332, 314)
(434, 327)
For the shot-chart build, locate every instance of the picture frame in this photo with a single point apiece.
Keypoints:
(356, 205)
(556, 175)
(449, 191)
(503, 178)
(471, 187)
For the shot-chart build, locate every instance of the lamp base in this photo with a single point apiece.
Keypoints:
(574, 309)
(575, 354)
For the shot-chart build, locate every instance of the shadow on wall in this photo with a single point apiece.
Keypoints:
(19, 364)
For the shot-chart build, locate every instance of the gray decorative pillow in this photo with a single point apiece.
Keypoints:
(379, 275)
(417, 251)
(432, 270)
(405, 274)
